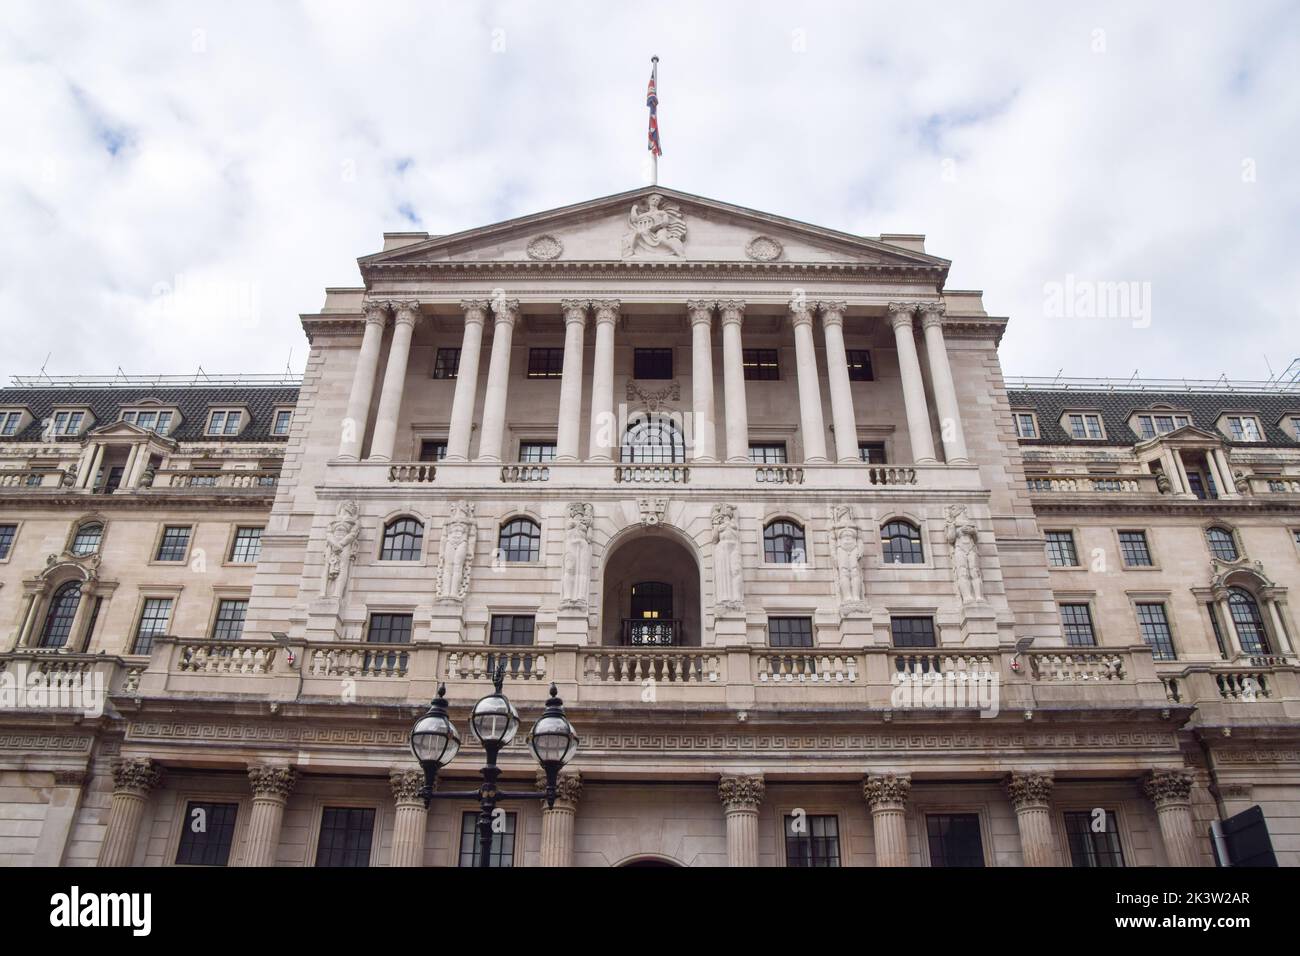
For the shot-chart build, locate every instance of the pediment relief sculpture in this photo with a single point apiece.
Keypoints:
(659, 226)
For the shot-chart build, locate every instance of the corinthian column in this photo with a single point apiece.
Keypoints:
(1030, 793)
(1170, 791)
(909, 367)
(557, 821)
(945, 393)
(271, 787)
(462, 400)
(740, 797)
(390, 396)
(701, 317)
(505, 313)
(811, 422)
(733, 379)
(602, 439)
(411, 818)
(132, 780)
(575, 323)
(357, 415)
(837, 374)
(887, 795)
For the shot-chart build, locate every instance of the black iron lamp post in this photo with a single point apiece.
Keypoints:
(494, 720)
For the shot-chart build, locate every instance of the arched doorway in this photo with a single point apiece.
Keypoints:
(648, 861)
(650, 593)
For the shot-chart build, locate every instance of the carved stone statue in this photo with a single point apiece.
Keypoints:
(963, 539)
(659, 225)
(728, 569)
(577, 557)
(846, 547)
(69, 476)
(1242, 483)
(457, 552)
(340, 540)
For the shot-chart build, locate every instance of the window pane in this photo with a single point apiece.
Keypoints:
(1133, 548)
(403, 540)
(433, 450)
(511, 629)
(447, 363)
(59, 617)
(1222, 544)
(1248, 621)
(345, 836)
(389, 629)
(767, 453)
(761, 364)
(88, 538)
(1060, 549)
(859, 365)
(653, 440)
(248, 546)
(7, 533)
(1154, 627)
(229, 624)
(901, 543)
(175, 542)
(783, 543)
(790, 631)
(812, 841)
(1076, 619)
(652, 363)
(545, 363)
(282, 422)
(954, 839)
(207, 833)
(912, 632)
(153, 622)
(520, 540)
(502, 853)
(535, 452)
(872, 452)
(1093, 839)
(215, 424)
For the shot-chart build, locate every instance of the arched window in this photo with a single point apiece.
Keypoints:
(901, 543)
(653, 440)
(783, 543)
(1248, 621)
(1222, 544)
(58, 619)
(87, 539)
(520, 540)
(403, 540)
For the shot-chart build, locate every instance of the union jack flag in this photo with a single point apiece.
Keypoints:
(652, 101)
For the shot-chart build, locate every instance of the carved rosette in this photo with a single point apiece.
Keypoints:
(887, 791)
(763, 249)
(1030, 789)
(272, 783)
(741, 794)
(1167, 788)
(406, 786)
(568, 789)
(135, 775)
(544, 248)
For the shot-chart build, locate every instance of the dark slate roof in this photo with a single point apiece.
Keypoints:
(106, 404)
(1116, 407)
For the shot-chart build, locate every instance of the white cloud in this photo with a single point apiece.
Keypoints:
(255, 150)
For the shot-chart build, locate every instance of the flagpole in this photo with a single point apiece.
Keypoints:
(654, 156)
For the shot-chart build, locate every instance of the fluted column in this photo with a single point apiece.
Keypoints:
(557, 821)
(811, 422)
(466, 393)
(411, 817)
(505, 313)
(133, 778)
(1170, 791)
(1030, 793)
(909, 367)
(271, 788)
(837, 376)
(732, 312)
(741, 796)
(357, 415)
(886, 795)
(945, 392)
(407, 314)
(700, 312)
(566, 432)
(602, 437)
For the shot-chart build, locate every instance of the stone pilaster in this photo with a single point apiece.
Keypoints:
(1030, 793)
(886, 795)
(411, 818)
(557, 821)
(133, 779)
(271, 787)
(909, 367)
(1171, 792)
(741, 797)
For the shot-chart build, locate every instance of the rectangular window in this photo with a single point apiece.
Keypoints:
(511, 629)
(1196, 483)
(1085, 426)
(232, 422)
(1076, 619)
(1133, 548)
(7, 533)
(446, 363)
(9, 423)
(789, 631)
(146, 420)
(1025, 427)
(207, 833)
(767, 452)
(433, 449)
(502, 853)
(1146, 429)
(229, 624)
(247, 547)
(872, 452)
(761, 365)
(1060, 549)
(1154, 625)
(954, 839)
(389, 629)
(912, 631)
(652, 363)
(535, 452)
(345, 836)
(812, 840)
(153, 623)
(216, 423)
(545, 363)
(860, 365)
(1093, 838)
(174, 544)
(1243, 428)
(283, 419)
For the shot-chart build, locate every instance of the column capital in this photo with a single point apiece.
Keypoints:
(887, 791)
(475, 310)
(575, 310)
(801, 312)
(406, 312)
(900, 313)
(407, 786)
(273, 782)
(505, 311)
(741, 793)
(731, 311)
(568, 789)
(700, 311)
(932, 314)
(1029, 789)
(135, 775)
(832, 311)
(375, 311)
(605, 310)
(1168, 787)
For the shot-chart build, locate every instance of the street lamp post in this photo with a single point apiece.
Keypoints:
(494, 720)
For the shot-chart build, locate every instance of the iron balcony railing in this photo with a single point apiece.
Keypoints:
(651, 632)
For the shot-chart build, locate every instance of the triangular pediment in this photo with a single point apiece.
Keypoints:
(654, 225)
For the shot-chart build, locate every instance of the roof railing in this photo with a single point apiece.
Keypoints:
(1280, 385)
(196, 380)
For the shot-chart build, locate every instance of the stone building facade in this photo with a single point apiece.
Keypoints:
(816, 585)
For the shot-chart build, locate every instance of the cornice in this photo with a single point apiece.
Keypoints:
(706, 268)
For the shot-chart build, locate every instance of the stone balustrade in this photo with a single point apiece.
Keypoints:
(31, 478)
(806, 667)
(513, 474)
(480, 664)
(415, 471)
(226, 657)
(358, 660)
(1094, 484)
(1075, 666)
(666, 666)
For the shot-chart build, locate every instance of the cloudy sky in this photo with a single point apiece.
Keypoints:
(180, 180)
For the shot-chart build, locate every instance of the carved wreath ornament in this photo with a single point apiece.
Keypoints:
(544, 248)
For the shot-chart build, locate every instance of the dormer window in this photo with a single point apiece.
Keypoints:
(1026, 425)
(225, 422)
(1243, 428)
(1153, 424)
(11, 422)
(1085, 426)
(150, 419)
(68, 423)
(283, 419)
